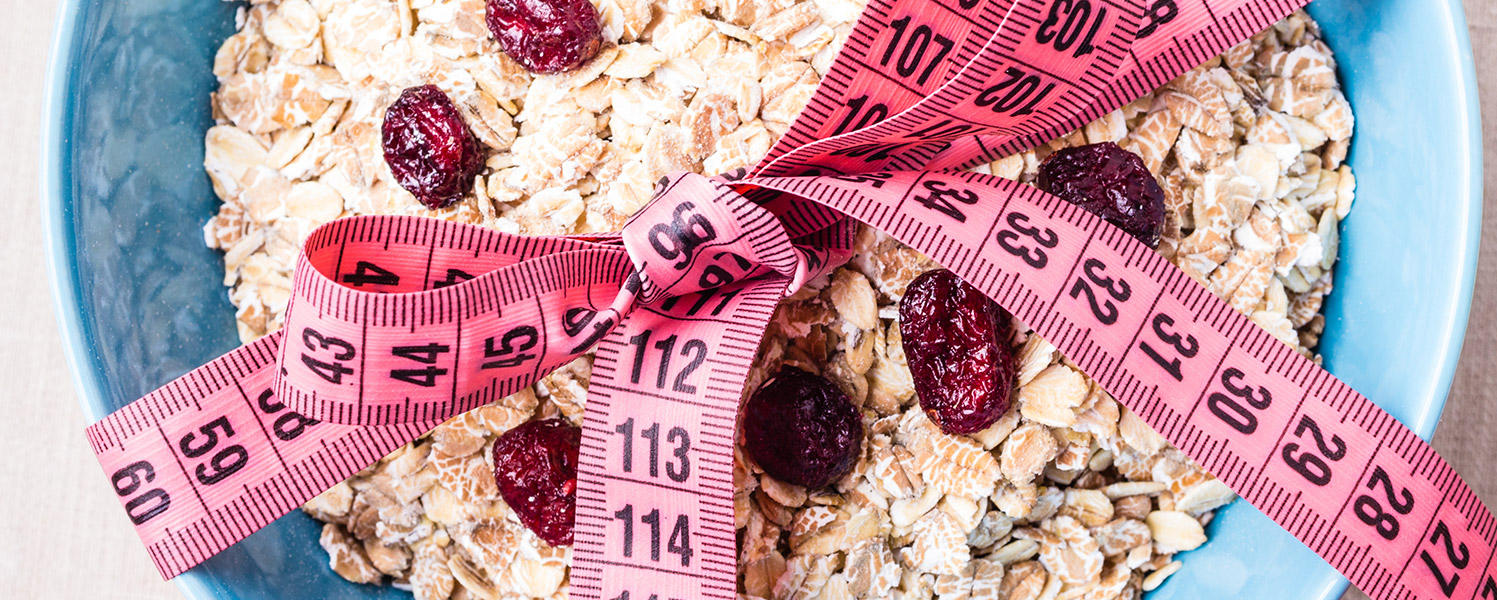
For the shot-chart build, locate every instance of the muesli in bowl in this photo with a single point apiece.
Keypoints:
(1066, 495)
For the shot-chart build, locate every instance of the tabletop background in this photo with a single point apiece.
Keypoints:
(61, 531)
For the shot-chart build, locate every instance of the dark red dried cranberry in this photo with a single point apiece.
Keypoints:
(1109, 182)
(546, 36)
(956, 342)
(429, 148)
(535, 466)
(801, 429)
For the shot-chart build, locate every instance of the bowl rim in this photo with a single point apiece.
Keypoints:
(57, 236)
(59, 239)
(1427, 417)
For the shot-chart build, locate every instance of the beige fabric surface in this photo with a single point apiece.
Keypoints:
(62, 535)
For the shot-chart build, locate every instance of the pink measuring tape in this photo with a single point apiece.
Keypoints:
(397, 323)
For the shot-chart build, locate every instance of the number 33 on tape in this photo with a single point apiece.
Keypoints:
(397, 323)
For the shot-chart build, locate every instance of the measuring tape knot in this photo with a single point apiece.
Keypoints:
(699, 234)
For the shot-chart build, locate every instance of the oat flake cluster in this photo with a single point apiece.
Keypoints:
(1067, 496)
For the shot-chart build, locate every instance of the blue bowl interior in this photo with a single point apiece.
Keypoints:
(141, 299)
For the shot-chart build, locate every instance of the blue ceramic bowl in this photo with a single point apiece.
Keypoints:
(141, 300)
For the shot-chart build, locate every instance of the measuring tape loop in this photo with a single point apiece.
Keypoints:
(1175, 36)
(1034, 72)
(396, 324)
(866, 86)
(469, 315)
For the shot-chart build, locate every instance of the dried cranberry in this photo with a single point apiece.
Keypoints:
(546, 36)
(429, 148)
(801, 429)
(956, 342)
(535, 466)
(1109, 182)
